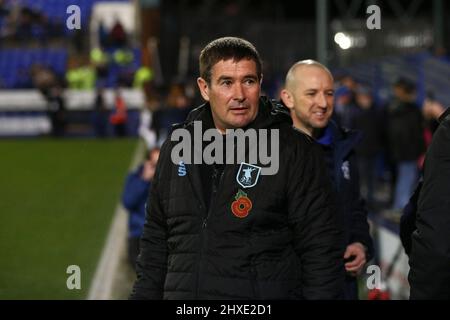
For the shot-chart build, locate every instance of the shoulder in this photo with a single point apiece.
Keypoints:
(294, 135)
(297, 144)
(346, 135)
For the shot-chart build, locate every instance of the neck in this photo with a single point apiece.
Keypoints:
(301, 127)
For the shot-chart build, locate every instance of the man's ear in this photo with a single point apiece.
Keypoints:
(203, 87)
(287, 98)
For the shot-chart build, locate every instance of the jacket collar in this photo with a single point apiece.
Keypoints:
(270, 112)
(445, 116)
(342, 140)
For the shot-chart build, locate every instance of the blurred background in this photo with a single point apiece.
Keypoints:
(88, 93)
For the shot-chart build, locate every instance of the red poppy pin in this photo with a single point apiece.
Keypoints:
(242, 205)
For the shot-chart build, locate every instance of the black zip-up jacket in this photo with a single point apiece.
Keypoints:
(289, 246)
(429, 276)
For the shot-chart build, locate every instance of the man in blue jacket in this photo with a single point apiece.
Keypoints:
(309, 94)
(134, 198)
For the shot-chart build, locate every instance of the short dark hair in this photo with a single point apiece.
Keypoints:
(224, 49)
(406, 84)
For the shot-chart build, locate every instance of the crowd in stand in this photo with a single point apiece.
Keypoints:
(114, 62)
(395, 137)
(22, 23)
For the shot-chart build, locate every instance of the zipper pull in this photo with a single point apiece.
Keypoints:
(204, 223)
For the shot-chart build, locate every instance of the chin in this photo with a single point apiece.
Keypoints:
(241, 122)
(321, 124)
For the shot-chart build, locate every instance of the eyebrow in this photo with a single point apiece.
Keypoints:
(315, 90)
(221, 78)
(248, 76)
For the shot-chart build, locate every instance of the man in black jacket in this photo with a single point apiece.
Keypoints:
(225, 230)
(429, 254)
(309, 94)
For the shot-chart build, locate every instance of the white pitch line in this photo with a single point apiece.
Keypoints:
(103, 281)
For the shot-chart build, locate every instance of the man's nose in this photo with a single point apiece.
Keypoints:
(321, 100)
(238, 92)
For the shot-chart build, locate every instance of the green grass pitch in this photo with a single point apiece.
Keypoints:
(57, 198)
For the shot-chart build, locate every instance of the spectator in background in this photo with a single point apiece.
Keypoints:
(134, 198)
(119, 117)
(142, 77)
(80, 75)
(368, 121)
(11, 20)
(123, 58)
(57, 111)
(100, 114)
(103, 37)
(117, 35)
(43, 79)
(24, 25)
(442, 54)
(99, 60)
(346, 110)
(405, 140)
(175, 110)
(4, 11)
(347, 81)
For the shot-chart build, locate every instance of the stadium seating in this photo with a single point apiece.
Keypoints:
(56, 9)
(15, 64)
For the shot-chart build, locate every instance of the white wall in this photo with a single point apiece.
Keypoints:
(33, 100)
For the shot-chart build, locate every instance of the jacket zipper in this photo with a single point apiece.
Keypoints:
(203, 232)
(254, 280)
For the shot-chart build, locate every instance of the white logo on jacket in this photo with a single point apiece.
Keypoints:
(346, 170)
(181, 169)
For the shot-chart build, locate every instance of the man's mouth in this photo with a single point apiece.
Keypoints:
(238, 108)
(319, 114)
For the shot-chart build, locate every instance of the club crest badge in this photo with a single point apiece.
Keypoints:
(248, 175)
(242, 205)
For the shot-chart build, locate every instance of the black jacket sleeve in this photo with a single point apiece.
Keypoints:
(408, 220)
(359, 227)
(318, 233)
(151, 267)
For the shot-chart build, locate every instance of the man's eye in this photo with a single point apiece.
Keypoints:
(249, 81)
(226, 83)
